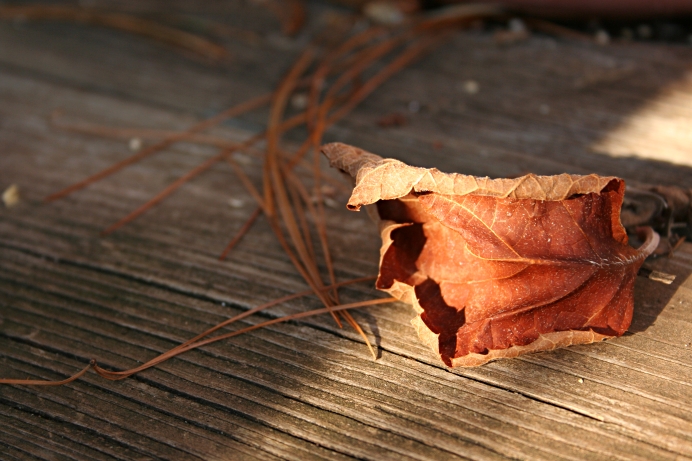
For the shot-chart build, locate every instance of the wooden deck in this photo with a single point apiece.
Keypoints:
(309, 390)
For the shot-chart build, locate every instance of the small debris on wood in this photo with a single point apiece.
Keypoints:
(471, 87)
(135, 144)
(580, 381)
(236, 202)
(299, 101)
(386, 13)
(602, 37)
(329, 202)
(11, 196)
(392, 120)
(390, 12)
(517, 26)
(662, 277)
(242, 158)
(656, 276)
(516, 32)
(332, 203)
(328, 191)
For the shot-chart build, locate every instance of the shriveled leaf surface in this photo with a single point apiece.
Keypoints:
(499, 267)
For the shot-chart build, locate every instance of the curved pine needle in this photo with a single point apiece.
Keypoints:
(104, 131)
(241, 233)
(319, 222)
(299, 266)
(292, 14)
(274, 181)
(166, 355)
(203, 125)
(299, 202)
(351, 321)
(196, 342)
(40, 382)
(120, 21)
(317, 113)
(286, 318)
(290, 123)
(249, 187)
(320, 125)
(407, 57)
(174, 186)
(328, 63)
(274, 303)
(114, 132)
(275, 190)
(118, 375)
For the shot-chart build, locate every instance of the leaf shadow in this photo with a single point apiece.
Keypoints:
(368, 320)
(652, 298)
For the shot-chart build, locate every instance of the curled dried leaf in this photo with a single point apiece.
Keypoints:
(499, 267)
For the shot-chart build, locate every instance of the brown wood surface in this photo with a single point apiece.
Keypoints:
(309, 390)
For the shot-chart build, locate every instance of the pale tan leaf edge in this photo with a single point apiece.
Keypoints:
(545, 342)
(378, 178)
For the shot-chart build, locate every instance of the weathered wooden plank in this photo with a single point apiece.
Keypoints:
(203, 438)
(125, 426)
(445, 403)
(273, 349)
(27, 450)
(267, 405)
(70, 287)
(309, 390)
(90, 444)
(49, 436)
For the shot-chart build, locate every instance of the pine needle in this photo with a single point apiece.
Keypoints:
(241, 233)
(197, 340)
(203, 125)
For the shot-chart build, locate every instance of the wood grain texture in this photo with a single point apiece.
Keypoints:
(307, 390)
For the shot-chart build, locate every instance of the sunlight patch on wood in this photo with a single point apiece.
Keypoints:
(659, 131)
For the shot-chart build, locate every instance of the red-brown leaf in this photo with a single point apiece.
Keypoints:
(498, 268)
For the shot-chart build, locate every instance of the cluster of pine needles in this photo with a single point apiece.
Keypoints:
(333, 78)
